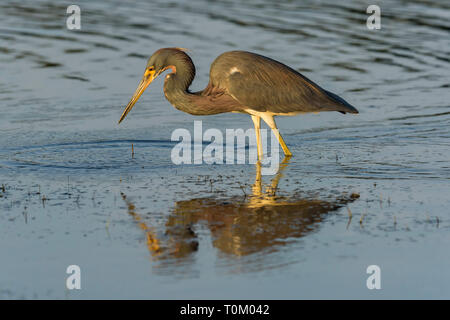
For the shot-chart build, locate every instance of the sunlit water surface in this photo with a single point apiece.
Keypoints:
(360, 190)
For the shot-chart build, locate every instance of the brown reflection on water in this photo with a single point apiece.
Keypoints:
(239, 226)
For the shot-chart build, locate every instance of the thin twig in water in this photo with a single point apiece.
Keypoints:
(361, 219)
(243, 190)
(43, 200)
(350, 216)
(68, 187)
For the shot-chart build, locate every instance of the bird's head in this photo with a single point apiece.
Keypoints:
(160, 61)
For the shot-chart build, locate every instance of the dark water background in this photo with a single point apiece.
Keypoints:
(142, 227)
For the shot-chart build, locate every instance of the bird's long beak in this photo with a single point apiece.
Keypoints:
(146, 80)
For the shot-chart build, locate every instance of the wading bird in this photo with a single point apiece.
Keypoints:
(239, 81)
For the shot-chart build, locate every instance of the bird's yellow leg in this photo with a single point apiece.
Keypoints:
(271, 123)
(257, 123)
(276, 180)
(257, 188)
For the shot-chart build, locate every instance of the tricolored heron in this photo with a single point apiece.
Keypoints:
(239, 81)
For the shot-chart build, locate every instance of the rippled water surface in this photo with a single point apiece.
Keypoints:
(360, 190)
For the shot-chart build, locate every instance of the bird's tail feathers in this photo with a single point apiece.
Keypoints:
(341, 105)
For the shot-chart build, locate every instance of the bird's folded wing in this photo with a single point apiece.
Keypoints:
(266, 85)
(277, 93)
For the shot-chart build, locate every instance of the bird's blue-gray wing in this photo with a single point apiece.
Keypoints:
(263, 84)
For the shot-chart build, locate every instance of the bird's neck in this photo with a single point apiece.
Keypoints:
(176, 85)
(176, 90)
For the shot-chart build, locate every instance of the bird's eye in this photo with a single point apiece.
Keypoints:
(151, 68)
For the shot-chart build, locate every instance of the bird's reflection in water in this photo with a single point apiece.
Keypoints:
(238, 226)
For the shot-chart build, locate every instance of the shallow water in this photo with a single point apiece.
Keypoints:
(360, 190)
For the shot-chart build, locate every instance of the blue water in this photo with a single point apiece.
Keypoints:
(360, 190)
